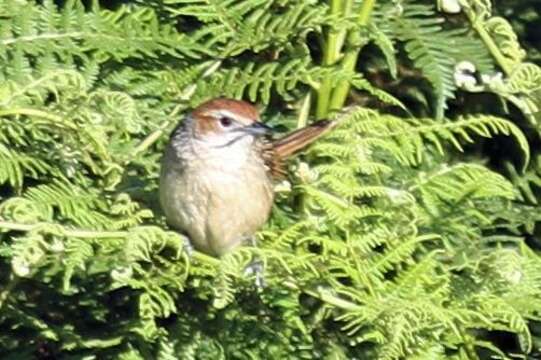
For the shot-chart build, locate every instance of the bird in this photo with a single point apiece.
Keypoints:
(218, 172)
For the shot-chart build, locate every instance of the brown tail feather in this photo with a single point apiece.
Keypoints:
(299, 139)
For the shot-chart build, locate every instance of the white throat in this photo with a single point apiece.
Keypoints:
(227, 151)
(230, 152)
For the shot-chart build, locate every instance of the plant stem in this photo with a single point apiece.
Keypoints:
(331, 53)
(88, 234)
(38, 113)
(156, 134)
(469, 346)
(348, 5)
(304, 112)
(479, 26)
(153, 136)
(325, 296)
(493, 48)
(350, 58)
(205, 258)
(332, 48)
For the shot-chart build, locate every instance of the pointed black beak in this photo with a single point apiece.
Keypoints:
(258, 129)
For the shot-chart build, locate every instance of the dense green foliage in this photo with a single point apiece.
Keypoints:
(409, 232)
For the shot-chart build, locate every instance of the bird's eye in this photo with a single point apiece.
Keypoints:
(225, 121)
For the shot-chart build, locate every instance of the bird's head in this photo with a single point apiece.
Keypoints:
(223, 122)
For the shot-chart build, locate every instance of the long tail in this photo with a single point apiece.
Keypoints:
(299, 139)
(280, 149)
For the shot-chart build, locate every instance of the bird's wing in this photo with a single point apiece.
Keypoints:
(277, 151)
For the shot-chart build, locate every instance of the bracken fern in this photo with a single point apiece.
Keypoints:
(400, 235)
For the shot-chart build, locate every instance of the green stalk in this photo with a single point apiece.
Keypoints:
(479, 26)
(153, 136)
(493, 48)
(469, 345)
(39, 114)
(325, 295)
(331, 53)
(302, 121)
(186, 94)
(350, 58)
(332, 48)
(304, 113)
(348, 5)
(55, 229)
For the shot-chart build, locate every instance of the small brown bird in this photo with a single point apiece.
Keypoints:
(216, 182)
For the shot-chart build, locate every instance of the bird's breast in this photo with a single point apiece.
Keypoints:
(218, 201)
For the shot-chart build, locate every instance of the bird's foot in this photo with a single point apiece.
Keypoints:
(187, 247)
(256, 268)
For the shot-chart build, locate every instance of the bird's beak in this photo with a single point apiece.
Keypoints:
(258, 129)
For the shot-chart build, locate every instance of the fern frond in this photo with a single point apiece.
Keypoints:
(234, 26)
(411, 135)
(14, 166)
(432, 50)
(454, 183)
